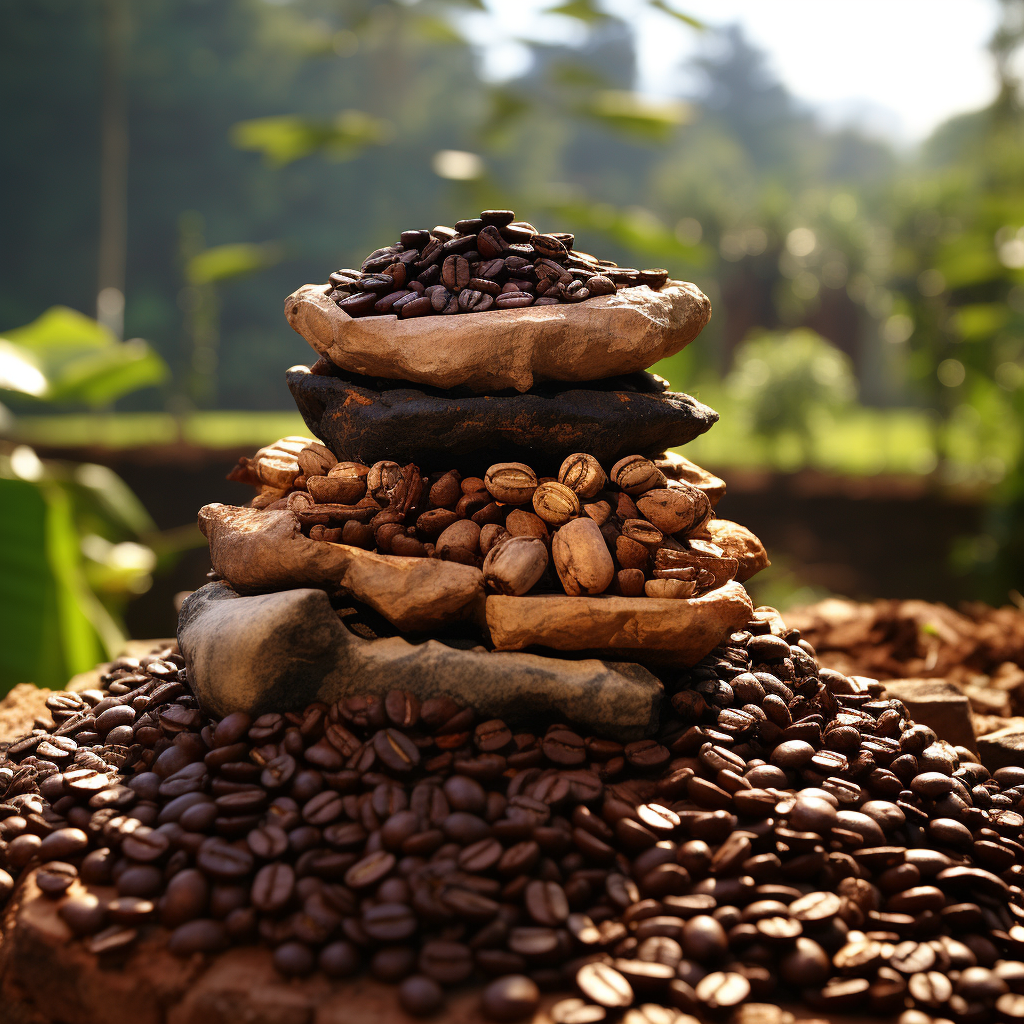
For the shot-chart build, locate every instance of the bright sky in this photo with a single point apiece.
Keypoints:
(898, 67)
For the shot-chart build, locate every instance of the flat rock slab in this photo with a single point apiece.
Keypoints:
(261, 550)
(507, 348)
(686, 629)
(365, 424)
(1003, 748)
(280, 651)
(939, 705)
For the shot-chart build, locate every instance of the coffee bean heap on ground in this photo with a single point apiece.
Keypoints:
(788, 831)
(488, 262)
(627, 530)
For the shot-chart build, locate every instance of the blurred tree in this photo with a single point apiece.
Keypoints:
(786, 384)
(955, 276)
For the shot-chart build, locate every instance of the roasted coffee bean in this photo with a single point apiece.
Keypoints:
(445, 961)
(511, 998)
(499, 248)
(420, 996)
(510, 855)
(389, 922)
(604, 985)
(83, 913)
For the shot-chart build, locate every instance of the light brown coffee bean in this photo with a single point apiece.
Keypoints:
(555, 503)
(581, 558)
(583, 474)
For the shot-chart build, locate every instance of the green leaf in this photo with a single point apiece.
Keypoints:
(98, 378)
(686, 19)
(507, 107)
(60, 327)
(981, 320)
(575, 75)
(222, 262)
(64, 356)
(27, 600)
(582, 10)
(635, 228)
(967, 265)
(19, 371)
(115, 500)
(630, 113)
(50, 617)
(287, 138)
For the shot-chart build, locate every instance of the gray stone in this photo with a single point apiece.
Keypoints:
(365, 420)
(939, 705)
(1003, 748)
(279, 651)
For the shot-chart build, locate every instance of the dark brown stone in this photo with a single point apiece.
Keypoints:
(368, 419)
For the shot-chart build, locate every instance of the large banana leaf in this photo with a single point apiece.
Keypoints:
(64, 356)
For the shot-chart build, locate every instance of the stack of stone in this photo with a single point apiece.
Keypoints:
(338, 779)
(490, 483)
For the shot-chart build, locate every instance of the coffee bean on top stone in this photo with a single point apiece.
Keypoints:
(494, 251)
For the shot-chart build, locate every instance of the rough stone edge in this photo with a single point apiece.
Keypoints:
(317, 643)
(628, 623)
(613, 321)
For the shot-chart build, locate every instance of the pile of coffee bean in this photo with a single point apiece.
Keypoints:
(488, 262)
(628, 531)
(788, 831)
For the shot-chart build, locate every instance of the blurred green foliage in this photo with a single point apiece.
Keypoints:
(319, 123)
(75, 543)
(788, 383)
(66, 357)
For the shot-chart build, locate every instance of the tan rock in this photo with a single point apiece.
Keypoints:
(687, 628)
(266, 550)
(939, 705)
(986, 700)
(739, 543)
(677, 467)
(508, 348)
(1003, 749)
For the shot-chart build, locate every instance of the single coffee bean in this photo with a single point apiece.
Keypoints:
(604, 985)
(511, 998)
(420, 996)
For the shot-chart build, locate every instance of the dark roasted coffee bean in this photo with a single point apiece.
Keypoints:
(445, 961)
(396, 750)
(604, 985)
(83, 913)
(722, 990)
(111, 940)
(472, 301)
(455, 273)
(294, 959)
(514, 997)
(224, 863)
(55, 878)
(389, 922)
